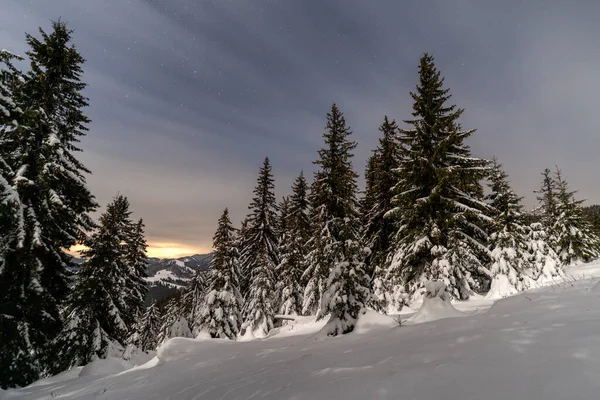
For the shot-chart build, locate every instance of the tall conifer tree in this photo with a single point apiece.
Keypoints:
(508, 241)
(10, 117)
(283, 231)
(379, 228)
(261, 255)
(242, 241)
(193, 299)
(99, 315)
(220, 315)
(368, 200)
(300, 209)
(293, 250)
(174, 321)
(136, 259)
(592, 215)
(149, 329)
(317, 258)
(283, 218)
(439, 204)
(19, 362)
(574, 240)
(337, 223)
(54, 201)
(546, 196)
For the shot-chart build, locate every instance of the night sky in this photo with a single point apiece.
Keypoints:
(187, 97)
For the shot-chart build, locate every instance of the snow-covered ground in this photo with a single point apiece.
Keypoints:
(543, 344)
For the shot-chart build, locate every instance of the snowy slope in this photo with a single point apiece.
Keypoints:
(543, 344)
(176, 271)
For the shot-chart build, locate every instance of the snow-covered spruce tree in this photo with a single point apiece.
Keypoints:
(98, 316)
(574, 241)
(368, 200)
(261, 255)
(136, 259)
(347, 289)
(300, 209)
(149, 328)
(283, 221)
(438, 201)
(10, 115)
(545, 263)
(293, 249)
(508, 242)
(283, 218)
(193, 298)
(379, 229)
(242, 241)
(258, 310)
(592, 215)
(133, 287)
(318, 262)
(338, 224)
(18, 359)
(173, 321)
(546, 196)
(220, 316)
(54, 200)
(11, 120)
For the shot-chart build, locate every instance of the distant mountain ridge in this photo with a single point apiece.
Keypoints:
(176, 271)
(166, 275)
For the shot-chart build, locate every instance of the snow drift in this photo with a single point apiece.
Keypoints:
(436, 304)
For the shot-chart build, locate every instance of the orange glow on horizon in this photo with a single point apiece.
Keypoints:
(173, 250)
(158, 250)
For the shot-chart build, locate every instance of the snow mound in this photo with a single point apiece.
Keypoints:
(436, 304)
(175, 348)
(204, 334)
(370, 320)
(501, 287)
(137, 357)
(153, 362)
(299, 326)
(103, 367)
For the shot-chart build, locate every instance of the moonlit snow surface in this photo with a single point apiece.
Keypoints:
(540, 345)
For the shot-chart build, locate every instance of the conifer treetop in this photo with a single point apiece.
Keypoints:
(336, 177)
(56, 67)
(430, 99)
(546, 196)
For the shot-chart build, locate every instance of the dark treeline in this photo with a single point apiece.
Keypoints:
(430, 211)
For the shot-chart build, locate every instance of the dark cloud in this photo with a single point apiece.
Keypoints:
(187, 97)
